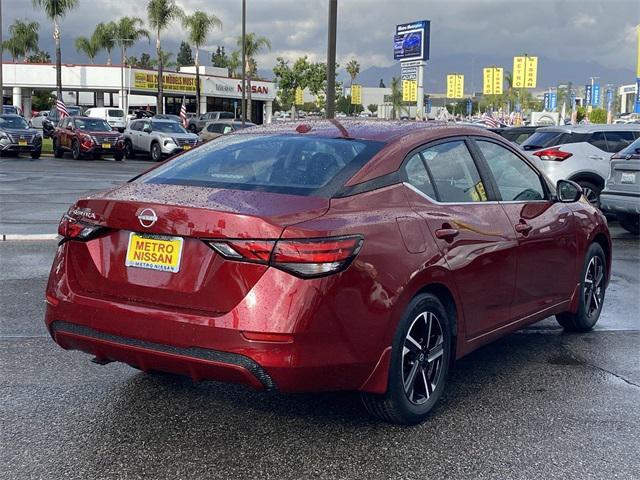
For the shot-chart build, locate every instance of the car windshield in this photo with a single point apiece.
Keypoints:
(93, 125)
(633, 149)
(115, 113)
(168, 127)
(274, 163)
(13, 122)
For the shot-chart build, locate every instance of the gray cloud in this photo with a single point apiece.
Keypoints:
(601, 31)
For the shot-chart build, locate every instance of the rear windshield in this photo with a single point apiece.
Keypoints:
(275, 163)
(226, 115)
(115, 113)
(549, 139)
(167, 127)
(633, 149)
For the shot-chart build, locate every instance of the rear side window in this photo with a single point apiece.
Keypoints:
(549, 139)
(226, 115)
(454, 173)
(115, 113)
(275, 163)
(418, 177)
(599, 141)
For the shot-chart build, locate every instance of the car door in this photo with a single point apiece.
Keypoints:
(470, 228)
(544, 228)
(143, 137)
(63, 135)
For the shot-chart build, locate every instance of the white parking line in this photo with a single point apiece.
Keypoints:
(29, 236)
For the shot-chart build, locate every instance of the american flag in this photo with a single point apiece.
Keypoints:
(183, 115)
(62, 108)
(488, 120)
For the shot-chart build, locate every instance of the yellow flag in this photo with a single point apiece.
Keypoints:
(455, 86)
(525, 72)
(409, 91)
(493, 79)
(299, 100)
(356, 94)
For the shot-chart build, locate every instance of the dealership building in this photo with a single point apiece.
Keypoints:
(111, 85)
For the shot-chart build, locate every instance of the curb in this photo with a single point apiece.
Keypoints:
(30, 236)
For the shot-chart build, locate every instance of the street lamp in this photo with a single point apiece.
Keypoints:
(331, 59)
(244, 65)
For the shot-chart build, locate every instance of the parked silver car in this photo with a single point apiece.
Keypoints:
(197, 124)
(580, 152)
(621, 194)
(158, 138)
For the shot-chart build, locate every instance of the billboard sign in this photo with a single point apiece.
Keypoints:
(596, 95)
(546, 101)
(587, 94)
(411, 41)
(408, 73)
(553, 101)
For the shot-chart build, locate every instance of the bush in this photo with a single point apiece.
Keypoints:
(598, 115)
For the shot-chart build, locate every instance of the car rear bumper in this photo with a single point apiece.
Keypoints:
(618, 202)
(309, 349)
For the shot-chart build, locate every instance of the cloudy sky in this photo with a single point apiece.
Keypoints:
(600, 31)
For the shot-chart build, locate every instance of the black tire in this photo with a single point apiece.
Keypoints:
(156, 152)
(591, 191)
(118, 156)
(407, 407)
(75, 150)
(36, 154)
(592, 293)
(57, 151)
(129, 153)
(630, 222)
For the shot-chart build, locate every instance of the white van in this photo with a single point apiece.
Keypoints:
(114, 116)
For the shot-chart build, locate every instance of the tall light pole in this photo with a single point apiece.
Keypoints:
(331, 59)
(244, 60)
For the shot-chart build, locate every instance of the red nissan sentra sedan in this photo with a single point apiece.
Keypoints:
(327, 256)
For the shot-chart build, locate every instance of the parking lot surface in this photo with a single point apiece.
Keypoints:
(536, 404)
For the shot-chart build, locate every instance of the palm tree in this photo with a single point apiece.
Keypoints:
(161, 13)
(128, 30)
(56, 10)
(198, 26)
(233, 63)
(24, 39)
(397, 106)
(88, 46)
(104, 37)
(165, 58)
(253, 45)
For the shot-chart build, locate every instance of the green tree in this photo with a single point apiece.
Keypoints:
(233, 64)
(598, 115)
(55, 10)
(104, 36)
(185, 55)
(219, 57)
(88, 46)
(165, 59)
(289, 78)
(372, 107)
(24, 39)
(42, 99)
(39, 57)
(397, 105)
(199, 25)
(128, 31)
(161, 13)
(253, 45)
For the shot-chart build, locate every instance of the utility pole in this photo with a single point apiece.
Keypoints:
(1, 54)
(330, 108)
(244, 60)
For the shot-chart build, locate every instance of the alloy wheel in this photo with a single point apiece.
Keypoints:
(593, 286)
(422, 356)
(591, 195)
(155, 152)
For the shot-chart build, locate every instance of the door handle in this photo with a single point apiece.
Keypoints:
(447, 234)
(596, 157)
(523, 227)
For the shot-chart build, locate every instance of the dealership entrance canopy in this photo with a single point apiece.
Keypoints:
(104, 85)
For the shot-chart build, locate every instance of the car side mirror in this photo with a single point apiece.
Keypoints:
(568, 191)
(147, 129)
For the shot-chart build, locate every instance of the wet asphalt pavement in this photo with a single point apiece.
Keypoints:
(536, 404)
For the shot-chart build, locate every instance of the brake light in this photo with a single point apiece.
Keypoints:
(307, 258)
(72, 229)
(552, 154)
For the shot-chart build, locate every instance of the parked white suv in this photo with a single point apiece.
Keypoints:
(157, 138)
(580, 152)
(114, 116)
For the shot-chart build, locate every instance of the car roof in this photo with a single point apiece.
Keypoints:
(10, 115)
(156, 120)
(379, 130)
(590, 128)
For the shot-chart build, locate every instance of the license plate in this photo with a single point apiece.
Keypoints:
(154, 252)
(628, 177)
(23, 143)
(186, 147)
(106, 145)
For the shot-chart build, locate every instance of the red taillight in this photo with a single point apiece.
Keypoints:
(313, 257)
(552, 154)
(72, 229)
